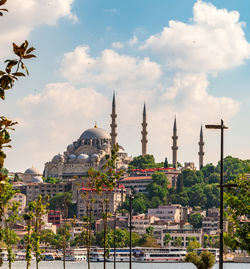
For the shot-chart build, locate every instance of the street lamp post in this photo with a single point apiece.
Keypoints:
(221, 186)
(130, 230)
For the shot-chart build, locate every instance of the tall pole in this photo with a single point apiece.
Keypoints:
(130, 231)
(115, 240)
(221, 196)
(221, 186)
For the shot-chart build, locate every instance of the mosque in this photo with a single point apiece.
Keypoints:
(88, 151)
(95, 143)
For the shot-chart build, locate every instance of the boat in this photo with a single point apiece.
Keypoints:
(161, 255)
(48, 257)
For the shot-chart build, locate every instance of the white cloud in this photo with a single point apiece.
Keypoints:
(133, 41)
(110, 70)
(23, 16)
(49, 121)
(214, 40)
(117, 45)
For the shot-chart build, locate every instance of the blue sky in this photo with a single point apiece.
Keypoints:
(184, 58)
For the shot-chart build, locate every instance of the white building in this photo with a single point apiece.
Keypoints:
(171, 213)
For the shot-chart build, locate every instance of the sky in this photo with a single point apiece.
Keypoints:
(187, 59)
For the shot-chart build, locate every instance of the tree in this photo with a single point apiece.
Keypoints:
(9, 235)
(193, 244)
(158, 187)
(179, 183)
(28, 217)
(8, 77)
(196, 220)
(61, 201)
(237, 201)
(150, 230)
(166, 165)
(205, 261)
(167, 239)
(39, 210)
(61, 239)
(214, 178)
(144, 162)
(46, 237)
(148, 241)
(177, 242)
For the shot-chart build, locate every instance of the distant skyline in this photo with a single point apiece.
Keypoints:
(183, 58)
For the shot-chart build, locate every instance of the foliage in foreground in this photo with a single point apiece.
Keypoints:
(205, 261)
(237, 201)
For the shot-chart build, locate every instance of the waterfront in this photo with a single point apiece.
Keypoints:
(83, 265)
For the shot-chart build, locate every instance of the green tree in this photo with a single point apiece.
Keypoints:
(193, 244)
(205, 261)
(237, 201)
(214, 178)
(179, 183)
(39, 210)
(9, 236)
(150, 230)
(148, 241)
(46, 237)
(61, 239)
(196, 220)
(28, 217)
(167, 239)
(61, 201)
(177, 242)
(144, 162)
(158, 187)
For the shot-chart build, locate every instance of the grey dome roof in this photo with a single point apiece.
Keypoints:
(32, 171)
(37, 179)
(95, 133)
(58, 158)
(72, 156)
(83, 157)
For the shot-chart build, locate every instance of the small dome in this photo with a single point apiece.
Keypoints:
(95, 133)
(72, 157)
(94, 156)
(70, 148)
(32, 171)
(59, 158)
(37, 179)
(83, 157)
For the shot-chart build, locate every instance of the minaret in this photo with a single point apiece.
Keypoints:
(144, 132)
(175, 147)
(201, 149)
(113, 124)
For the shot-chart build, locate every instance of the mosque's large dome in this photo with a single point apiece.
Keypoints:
(95, 133)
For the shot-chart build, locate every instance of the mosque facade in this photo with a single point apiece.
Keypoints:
(88, 151)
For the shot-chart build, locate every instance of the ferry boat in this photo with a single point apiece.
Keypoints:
(120, 255)
(161, 255)
(140, 255)
(80, 254)
(48, 257)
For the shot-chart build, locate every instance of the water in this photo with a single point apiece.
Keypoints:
(83, 265)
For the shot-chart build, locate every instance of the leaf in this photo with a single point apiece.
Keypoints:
(2, 2)
(2, 73)
(2, 94)
(18, 74)
(30, 50)
(29, 56)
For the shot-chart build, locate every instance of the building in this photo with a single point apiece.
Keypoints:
(140, 178)
(184, 234)
(55, 217)
(121, 223)
(211, 223)
(89, 150)
(21, 199)
(170, 213)
(89, 199)
(141, 222)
